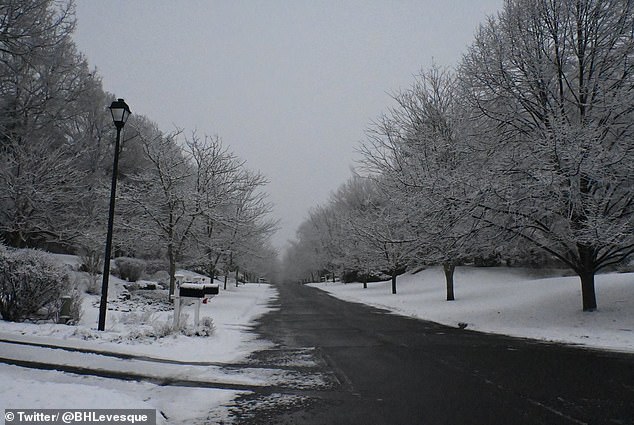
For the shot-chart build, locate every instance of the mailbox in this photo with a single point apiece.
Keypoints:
(191, 290)
(211, 289)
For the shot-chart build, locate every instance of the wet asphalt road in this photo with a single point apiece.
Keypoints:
(396, 370)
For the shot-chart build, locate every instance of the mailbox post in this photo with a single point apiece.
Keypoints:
(192, 290)
(177, 300)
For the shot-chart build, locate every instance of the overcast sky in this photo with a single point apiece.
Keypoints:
(289, 85)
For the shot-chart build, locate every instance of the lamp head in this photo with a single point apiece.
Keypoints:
(120, 112)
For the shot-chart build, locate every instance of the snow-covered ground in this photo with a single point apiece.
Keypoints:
(510, 301)
(501, 300)
(133, 329)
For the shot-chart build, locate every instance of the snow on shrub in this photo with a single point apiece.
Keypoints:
(154, 266)
(130, 269)
(206, 327)
(86, 333)
(31, 285)
(75, 307)
(138, 318)
(92, 286)
(91, 261)
(163, 329)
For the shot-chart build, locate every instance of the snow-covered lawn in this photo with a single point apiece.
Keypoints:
(131, 329)
(510, 301)
(35, 389)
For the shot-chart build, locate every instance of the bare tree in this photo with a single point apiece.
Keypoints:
(45, 88)
(232, 207)
(216, 169)
(381, 224)
(306, 259)
(330, 238)
(551, 87)
(248, 226)
(417, 149)
(161, 201)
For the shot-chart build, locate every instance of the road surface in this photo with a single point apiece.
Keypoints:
(390, 369)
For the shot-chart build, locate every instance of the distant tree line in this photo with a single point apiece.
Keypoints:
(182, 197)
(524, 153)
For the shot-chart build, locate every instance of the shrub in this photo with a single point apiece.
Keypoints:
(86, 333)
(130, 269)
(91, 261)
(154, 266)
(88, 283)
(349, 276)
(93, 286)
(138, 318)
(162, 278)
(162, 329)
(206, 327)
(31, 285)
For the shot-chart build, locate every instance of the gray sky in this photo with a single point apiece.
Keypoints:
(289, 85)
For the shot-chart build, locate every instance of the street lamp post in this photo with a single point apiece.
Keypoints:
(120, 113)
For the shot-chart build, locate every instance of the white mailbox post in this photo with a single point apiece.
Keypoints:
(197, 291)
(177, 299)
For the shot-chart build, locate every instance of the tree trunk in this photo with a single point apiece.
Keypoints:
(449, 270)
(225, 281)
(237, 277)
(588, 294)
(586, 273)
(365, 281)
(210, 267)
(172, 261)
(394, 281)
(16, 240)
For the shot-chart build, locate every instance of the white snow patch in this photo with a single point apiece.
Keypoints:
(233, 312)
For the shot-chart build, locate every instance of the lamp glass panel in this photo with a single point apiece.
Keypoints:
(118, 114)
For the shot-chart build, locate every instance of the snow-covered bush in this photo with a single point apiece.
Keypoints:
(31, 285)
(93, 286)
(91, 261)
(349, 276)
(158, 330)
(154, 266)
(162, 329)
(206, 327)
(160, 277)
(130, 269)
(138, 318)
(88, 283)
(86, 333)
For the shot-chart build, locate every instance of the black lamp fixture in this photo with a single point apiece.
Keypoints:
(120, 113)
